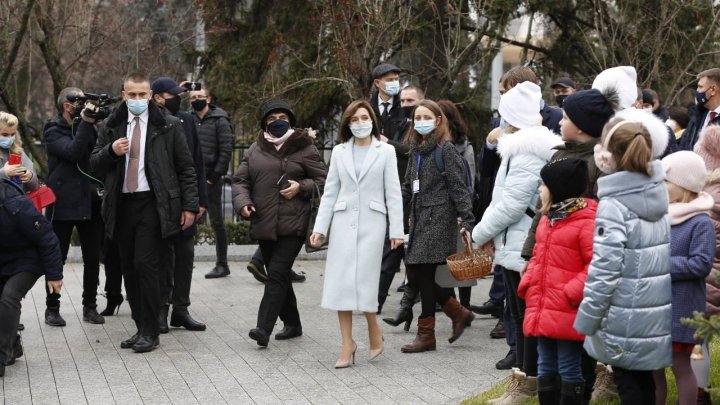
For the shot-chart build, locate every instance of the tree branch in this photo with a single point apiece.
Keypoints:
(18, 40)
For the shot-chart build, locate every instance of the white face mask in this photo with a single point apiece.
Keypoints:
(362, 129)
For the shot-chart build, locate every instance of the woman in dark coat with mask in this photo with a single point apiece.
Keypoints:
(273, 187)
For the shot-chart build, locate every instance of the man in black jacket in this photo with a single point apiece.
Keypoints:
(181, 247)
(151, 194)
(707, 109)
(216, 138)
(68, 141)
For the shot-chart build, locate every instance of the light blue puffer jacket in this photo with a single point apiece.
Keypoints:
(517, 185)
(626, 313)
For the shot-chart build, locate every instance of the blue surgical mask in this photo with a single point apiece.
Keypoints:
(7, 141)
(137, 107)
(392, 88)
(701, 98)
(424, 127)
(278, 128)
(362, 129)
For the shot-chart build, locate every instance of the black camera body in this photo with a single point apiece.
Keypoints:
(102, 101)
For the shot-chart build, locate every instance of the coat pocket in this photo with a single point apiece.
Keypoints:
(376, 206)
(340, 206)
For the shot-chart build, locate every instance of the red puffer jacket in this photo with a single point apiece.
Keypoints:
(552, 286)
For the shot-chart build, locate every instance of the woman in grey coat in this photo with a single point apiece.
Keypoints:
(436, 203)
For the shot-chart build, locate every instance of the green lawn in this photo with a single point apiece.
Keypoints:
(497, 389)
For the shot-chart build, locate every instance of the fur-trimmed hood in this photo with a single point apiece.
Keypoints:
(299, 140)
(538, 141)
(657, 129)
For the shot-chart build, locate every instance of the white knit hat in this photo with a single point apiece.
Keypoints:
(623, 79)
(520, 106)
(685, 169)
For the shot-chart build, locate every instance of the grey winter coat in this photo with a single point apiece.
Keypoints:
(435, 209)
(216, 141)
(626, 309)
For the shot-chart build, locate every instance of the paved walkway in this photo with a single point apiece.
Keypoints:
(83, 363)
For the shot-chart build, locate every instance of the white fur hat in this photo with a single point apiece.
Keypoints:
(657, 129)
(520, 106)
(623, 79)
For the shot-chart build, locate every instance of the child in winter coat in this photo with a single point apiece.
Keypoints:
(692, 251)
(625, 312)
(553, 284)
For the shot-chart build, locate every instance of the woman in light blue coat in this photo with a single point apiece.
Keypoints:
(362, 195)
(626, 308)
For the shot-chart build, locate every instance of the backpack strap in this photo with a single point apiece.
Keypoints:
(439, 160)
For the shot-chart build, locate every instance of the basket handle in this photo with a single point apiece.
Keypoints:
(466, 238)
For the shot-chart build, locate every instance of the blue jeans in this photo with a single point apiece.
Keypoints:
(557, 356)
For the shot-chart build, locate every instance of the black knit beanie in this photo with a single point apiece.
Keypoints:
(273, 105)
(589, 110)
(565, 178)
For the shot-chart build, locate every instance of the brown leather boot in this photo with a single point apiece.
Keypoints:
(425, 338)
(460, 316)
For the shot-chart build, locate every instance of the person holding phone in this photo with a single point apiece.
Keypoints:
(362, 195)
(30, 250)
(273, 187)
(16, 165)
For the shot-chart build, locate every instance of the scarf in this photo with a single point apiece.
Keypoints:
(279, 142)
(681, 212)
(563, 209)
(425, 148)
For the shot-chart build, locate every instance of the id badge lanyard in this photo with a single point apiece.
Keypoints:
(416, 182)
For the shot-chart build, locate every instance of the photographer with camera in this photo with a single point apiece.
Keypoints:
(69, 138)
(181, 247)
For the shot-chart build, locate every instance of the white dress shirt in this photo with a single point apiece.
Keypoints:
(143, 184)
(707, 117)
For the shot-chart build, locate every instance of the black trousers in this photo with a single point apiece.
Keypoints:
(423, 277)
(90, 233)
(217, 221)
(279, 297)
(113, 268)
(391, 259)
(635, 387)
(177, 264)
(140, 244)
(526, 346)
(12, 290)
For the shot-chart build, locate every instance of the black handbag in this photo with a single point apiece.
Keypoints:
(314, 207)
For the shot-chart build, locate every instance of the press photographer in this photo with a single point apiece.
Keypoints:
(69, 138)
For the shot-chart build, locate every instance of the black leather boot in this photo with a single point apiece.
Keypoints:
(113, 304)
(572, 393)
(182, 318)
(53, 317)
(91, 315)
(548, 390)
(162, 319)
(405, 314)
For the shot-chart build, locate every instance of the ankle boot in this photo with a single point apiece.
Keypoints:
(114, 300)
(425, 338)
(162, 319)
(405, 314)
(548, 390)
(572, 393)
(460, 317)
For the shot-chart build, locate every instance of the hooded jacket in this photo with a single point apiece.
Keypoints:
(169, 168)
(256, 183)
(515, 194)
(216, 139)
(68, 149)
(553, 285)
(626, 309)
(29, 243)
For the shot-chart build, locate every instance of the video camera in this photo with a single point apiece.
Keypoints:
(102, 101)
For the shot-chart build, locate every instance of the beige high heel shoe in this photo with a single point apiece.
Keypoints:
(346, 363)
(374, 353)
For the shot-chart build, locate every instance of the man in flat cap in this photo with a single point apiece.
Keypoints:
(563, 87)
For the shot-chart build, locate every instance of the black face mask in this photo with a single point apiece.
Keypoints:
(198, 105)
(408, 112)
(278, 128)
(173, 105)
(560, 99)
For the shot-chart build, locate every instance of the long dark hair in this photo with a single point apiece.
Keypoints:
(456, 123)
(441, 133)
(345, 134)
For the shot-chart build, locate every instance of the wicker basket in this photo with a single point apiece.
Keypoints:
(469, 264)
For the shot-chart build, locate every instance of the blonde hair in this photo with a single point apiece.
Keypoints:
(8, 120)
(630, 145)
(546, 202)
